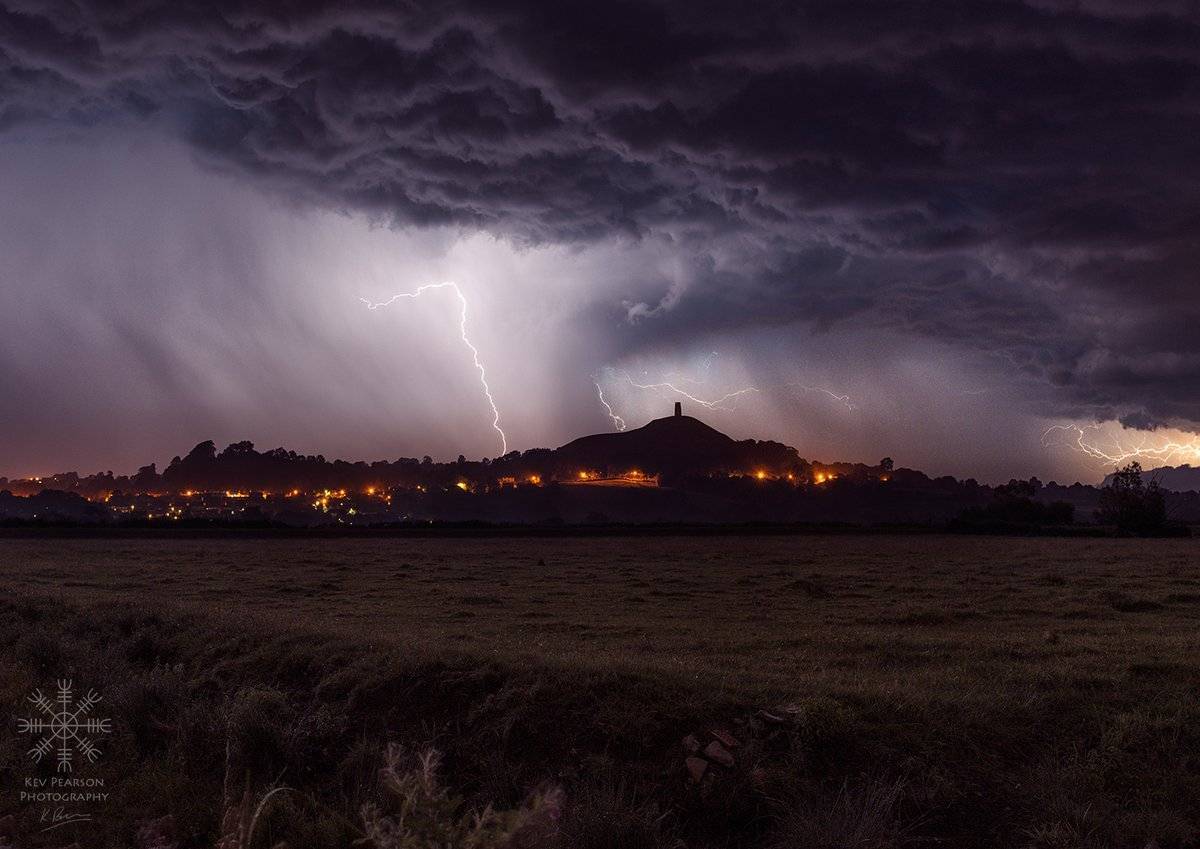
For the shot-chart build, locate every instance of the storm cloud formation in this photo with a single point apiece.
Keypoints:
(1014, 181)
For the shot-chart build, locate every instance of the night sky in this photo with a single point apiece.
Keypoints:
(930, 231)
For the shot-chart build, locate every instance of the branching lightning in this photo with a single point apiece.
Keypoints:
(726, 402)
(844, 400)
(462, 327)
(618, 422)
(717, 404)
(1111, 451)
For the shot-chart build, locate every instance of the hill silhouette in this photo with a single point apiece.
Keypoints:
(675, 445)
(666, 442)
(689, 472)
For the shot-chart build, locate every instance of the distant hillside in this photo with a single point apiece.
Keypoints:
(672, 470)
(674, 444)
(1183, 478)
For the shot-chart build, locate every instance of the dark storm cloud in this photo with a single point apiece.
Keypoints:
(1014, 178)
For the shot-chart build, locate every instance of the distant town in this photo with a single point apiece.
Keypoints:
(674, 469)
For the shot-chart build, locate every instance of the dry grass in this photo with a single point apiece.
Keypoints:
(738, 614)
(976, 692)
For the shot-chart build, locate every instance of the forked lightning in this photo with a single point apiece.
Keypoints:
(462, 327)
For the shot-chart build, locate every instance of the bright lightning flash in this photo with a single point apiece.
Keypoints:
(462, 327)
(618, 422)
(724, 402)
(1093, 441)
(716, 404)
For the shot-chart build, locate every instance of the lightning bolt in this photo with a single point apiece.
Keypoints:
(618, 422)
(841, 399)
(462, 327)
(712, 405)
(721, 403)
(1079, 439)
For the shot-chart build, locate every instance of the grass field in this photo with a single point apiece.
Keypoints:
(881, 691)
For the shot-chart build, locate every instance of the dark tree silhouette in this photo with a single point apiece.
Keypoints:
(146, 479)
(1015, 504)
(1131, 504)
(205, 450)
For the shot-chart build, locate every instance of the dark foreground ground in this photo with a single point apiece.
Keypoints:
(419, 693)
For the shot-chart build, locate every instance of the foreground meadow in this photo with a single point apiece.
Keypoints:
(863, 691)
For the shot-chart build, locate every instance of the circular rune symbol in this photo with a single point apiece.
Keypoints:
(62, 726)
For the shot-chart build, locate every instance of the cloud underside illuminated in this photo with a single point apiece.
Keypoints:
(1013, 185)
